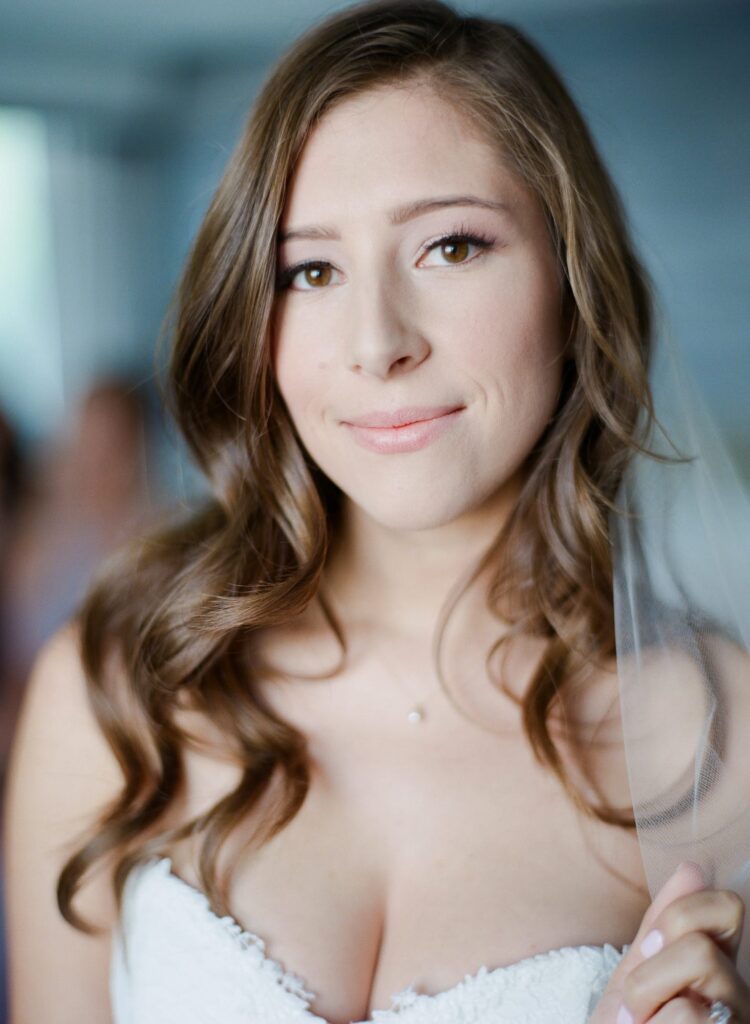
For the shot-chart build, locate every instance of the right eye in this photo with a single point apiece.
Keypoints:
(315, 273)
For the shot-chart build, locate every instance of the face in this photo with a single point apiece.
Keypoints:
(418, 278)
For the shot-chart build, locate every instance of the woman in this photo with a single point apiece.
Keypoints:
(362, 701)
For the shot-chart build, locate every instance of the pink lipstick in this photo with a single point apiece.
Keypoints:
(403, 430)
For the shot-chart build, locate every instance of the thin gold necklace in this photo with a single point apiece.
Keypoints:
(416, 714)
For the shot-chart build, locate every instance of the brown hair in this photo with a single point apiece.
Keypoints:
(173, 613)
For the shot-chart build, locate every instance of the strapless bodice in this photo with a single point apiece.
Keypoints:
(174, 961)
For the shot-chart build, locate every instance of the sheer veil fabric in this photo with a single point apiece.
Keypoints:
(681, 553)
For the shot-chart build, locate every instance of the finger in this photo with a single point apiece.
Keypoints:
(692, 965)
(686, 878)
(719, 913)
(681, 1011)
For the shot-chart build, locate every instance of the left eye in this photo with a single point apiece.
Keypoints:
(457, 247)
(317, 275)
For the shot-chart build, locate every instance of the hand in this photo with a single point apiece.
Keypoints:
(696, 964)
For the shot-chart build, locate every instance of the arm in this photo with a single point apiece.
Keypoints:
(61, 773)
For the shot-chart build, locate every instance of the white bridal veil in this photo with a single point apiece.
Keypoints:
(681, 550)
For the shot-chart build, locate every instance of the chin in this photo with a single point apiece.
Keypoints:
(411, 512)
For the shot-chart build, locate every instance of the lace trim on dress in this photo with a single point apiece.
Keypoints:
(292, 983)
(407, 999)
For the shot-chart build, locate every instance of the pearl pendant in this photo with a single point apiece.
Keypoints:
(415, 716)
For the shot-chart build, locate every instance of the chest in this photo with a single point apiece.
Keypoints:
(421, 853)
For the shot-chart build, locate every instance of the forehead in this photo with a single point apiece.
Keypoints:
(391, 144)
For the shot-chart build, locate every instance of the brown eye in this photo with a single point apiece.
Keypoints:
(311, 276)
(317, 275)
(455, 252)
(458, 248)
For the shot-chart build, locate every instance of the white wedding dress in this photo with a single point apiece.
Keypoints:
(174, 961)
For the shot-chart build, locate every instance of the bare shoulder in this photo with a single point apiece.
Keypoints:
(62, 773)
(58, 747)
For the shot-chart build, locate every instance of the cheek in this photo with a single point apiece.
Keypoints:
(291, 361)
(302, 371)
(293, 381)
(511, 334)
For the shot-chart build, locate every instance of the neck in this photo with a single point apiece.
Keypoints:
(397, 581)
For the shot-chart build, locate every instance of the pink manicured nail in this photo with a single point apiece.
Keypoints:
(624, 1016)
(652, 943)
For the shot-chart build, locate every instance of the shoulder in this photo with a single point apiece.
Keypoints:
(62, 774)
(62, 771)
(56, 718)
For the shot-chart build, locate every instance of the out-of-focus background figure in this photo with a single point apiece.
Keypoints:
(85, 493)
(116, 122)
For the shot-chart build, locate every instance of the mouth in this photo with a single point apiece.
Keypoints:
(402, 417)
(406, 436)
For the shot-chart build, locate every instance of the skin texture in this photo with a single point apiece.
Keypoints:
(388, 323)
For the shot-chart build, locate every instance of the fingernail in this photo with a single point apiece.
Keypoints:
(624, 1016)
(689, 864)
(652, 943)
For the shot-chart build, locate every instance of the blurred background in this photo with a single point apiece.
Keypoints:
(116, 121)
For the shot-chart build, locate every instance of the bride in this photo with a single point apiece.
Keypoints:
(343, 744)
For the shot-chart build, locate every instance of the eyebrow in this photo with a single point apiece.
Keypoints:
(400, 215)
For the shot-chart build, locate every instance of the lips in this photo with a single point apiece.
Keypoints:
(409, 434)
(401, 417)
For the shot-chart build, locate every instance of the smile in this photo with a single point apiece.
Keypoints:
(407, 438)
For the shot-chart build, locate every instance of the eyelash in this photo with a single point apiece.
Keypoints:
(462, 235)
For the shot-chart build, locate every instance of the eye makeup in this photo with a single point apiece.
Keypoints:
(462, 235)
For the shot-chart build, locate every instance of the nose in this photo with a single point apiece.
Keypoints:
(383, 338)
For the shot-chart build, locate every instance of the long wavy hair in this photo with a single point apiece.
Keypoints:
(165, 624)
